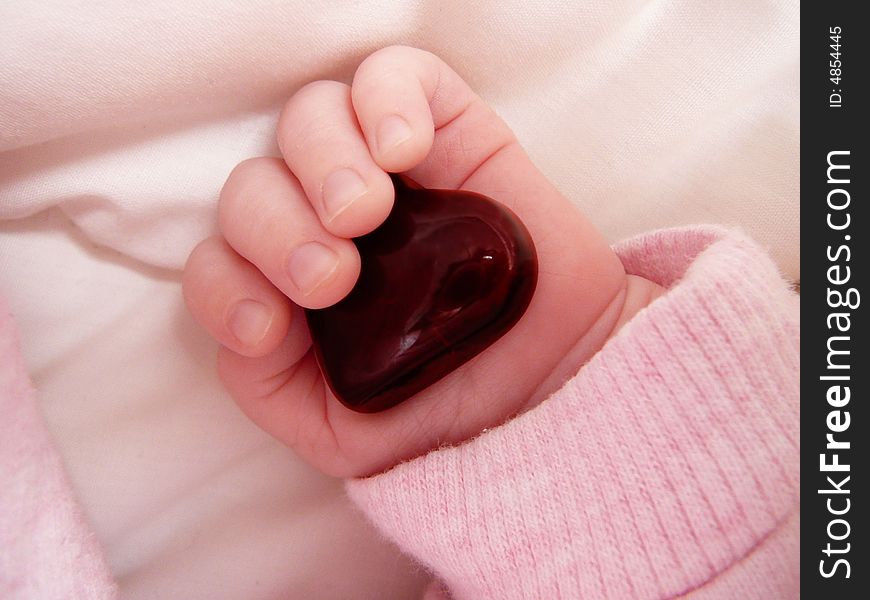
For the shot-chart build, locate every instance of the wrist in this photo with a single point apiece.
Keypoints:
(635, 294)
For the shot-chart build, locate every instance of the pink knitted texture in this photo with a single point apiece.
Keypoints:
(46, 547)
(668, 466)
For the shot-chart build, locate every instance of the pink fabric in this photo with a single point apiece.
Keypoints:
(667, 466)
(46, 548)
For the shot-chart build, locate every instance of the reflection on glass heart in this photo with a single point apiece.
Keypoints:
(447, 274)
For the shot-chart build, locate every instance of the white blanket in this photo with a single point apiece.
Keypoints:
(120, 121)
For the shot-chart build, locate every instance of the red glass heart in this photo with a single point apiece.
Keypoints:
(447, 274)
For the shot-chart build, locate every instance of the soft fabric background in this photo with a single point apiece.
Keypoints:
(120, 121)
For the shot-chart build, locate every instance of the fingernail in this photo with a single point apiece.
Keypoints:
(392, 131)
(340, 189)
(249, 321)
(310, 265)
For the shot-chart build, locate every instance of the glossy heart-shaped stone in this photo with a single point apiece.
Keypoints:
(447, 274)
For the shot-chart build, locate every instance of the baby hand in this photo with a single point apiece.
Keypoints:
(286, 225)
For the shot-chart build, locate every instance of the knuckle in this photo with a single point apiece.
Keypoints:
(389, 55)
(201, 256)
(392, 59)
(244, 181)
(197, 274)
(250, 168)
(313, 92)
(301, 115)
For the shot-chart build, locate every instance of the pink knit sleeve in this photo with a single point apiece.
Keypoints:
(667, 466)
(46, 547)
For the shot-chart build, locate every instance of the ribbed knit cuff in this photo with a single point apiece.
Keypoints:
(671, 456)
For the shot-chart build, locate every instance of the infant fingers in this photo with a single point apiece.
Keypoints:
(270, 388)
(233, 301)
(323, 146)
(265, 217)
(390, 95)
(401, 83)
